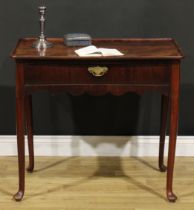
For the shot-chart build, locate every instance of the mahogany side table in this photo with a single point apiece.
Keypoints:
(147, 65)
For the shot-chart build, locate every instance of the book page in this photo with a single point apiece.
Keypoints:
(88, 51)
(110, 52)
(94, 51)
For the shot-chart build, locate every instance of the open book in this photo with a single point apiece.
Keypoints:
(94, 51)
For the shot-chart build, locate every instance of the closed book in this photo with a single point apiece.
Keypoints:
(77, 39)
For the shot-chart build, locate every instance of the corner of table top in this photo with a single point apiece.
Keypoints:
(13, 52)
(178, 48)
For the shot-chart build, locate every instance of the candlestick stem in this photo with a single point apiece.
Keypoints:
(42, 43)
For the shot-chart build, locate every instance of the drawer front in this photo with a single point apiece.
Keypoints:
(97, 74)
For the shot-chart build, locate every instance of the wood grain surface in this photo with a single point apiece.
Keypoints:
(96, 184)
(131, 48)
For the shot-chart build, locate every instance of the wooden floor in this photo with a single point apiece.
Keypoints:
(96, 184)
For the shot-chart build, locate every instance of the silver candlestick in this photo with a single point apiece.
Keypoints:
(42, 43)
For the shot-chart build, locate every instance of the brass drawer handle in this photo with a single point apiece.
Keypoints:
(98, 71)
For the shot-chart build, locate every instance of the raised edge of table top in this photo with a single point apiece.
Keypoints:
(133, 49)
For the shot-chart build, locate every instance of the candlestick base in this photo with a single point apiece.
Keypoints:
(42, 44)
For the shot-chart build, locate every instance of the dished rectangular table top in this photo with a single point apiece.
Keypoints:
(131, 48)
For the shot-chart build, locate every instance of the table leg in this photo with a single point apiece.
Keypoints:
(29, 129)
(20, 129)
(174, 107)
(164, 116)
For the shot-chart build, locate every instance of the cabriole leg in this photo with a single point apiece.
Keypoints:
(29, 128)
(164, 116)
(20, 131)
(174, 109)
